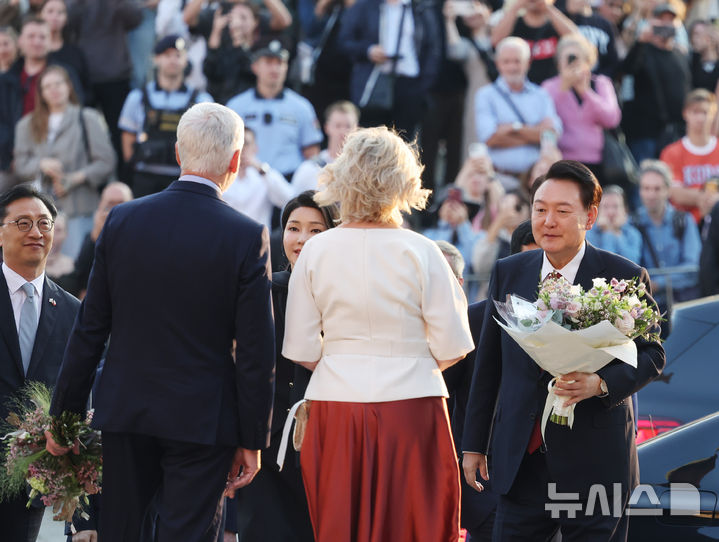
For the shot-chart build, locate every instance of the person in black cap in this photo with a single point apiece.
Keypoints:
(149, 119)
(662, 80)
(284, 123)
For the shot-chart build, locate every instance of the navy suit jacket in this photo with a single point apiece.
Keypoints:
(600, 448)
(359, 30)
(476, 507)
(177, 276)
(54, 326)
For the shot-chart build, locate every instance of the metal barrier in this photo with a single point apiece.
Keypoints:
(668, 272)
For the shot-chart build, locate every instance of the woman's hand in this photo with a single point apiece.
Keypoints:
(582, 80)
(448, 11)
(52, 167)
(219, 23)
(76, 178)
(453, 213)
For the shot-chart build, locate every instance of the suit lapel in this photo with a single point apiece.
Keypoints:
(48, 317)
(529, 275)
(525, 282)
(592, 266)
(8, 329)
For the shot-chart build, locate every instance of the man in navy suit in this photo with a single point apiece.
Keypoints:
(37, 317)
(177, 277)
(600, 448)
(415, 52)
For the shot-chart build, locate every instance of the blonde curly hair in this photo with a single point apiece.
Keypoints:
(374, 179)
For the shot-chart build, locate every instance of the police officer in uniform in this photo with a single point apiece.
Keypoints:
(285, 124)
(149, 118)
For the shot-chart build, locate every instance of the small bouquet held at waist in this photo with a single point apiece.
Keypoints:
(63, 482)
(568, 329)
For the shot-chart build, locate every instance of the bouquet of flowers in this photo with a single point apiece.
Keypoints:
(63, 482)
(568, 329)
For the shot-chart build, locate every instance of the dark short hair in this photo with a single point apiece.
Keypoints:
(590, 191)
(306, 199)
(23, 191)
(32, 19)
(521, 236)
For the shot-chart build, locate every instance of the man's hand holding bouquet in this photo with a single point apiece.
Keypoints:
(572, 333)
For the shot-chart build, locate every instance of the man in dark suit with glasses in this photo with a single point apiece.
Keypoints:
(37, 317)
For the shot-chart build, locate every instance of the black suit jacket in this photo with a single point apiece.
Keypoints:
(600, 448)
(54, 326)
(359, 29)
(177, 276)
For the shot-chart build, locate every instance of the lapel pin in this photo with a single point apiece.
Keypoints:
(52, 302)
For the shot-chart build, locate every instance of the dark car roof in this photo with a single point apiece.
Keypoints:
(689, 386)
(687, 455)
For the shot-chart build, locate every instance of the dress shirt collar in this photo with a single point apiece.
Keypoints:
(15, 281)
(502, 84)
(201, 180)
(569, 271)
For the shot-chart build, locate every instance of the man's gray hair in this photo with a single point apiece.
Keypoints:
(658, 167)
(454, 257)
(208, 134)
(125, 189)
(513, 42)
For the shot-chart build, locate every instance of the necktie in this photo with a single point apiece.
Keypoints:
(28, 325)
(553, 275)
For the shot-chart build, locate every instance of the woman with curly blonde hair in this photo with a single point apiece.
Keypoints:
(375, 311)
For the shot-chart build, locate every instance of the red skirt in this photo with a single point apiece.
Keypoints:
(381, 472)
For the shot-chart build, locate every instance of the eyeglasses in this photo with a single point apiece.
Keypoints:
(25, 224)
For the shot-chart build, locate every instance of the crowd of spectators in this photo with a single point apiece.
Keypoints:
(492, 91)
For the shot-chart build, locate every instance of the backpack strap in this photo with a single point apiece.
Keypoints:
(679, 224)
(647, 240)
(85, 139)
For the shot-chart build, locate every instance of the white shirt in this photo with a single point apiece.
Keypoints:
(17, 294)
(255, 194)
(53, 125)
(569, 271)
(306, 176)
(201, 180)
(377, 307)
(390, 15)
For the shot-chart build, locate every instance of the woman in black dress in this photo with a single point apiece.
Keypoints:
(274, 506)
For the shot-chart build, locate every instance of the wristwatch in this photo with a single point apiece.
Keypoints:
(603, 388)
(516, 126)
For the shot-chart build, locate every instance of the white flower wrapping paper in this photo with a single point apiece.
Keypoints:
(559, 351)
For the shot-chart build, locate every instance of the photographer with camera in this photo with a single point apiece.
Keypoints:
(653, 119)
(586, 103)
(149, 119)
